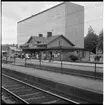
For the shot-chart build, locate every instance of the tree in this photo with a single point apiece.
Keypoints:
(91, 40)
(90, 30)
(100, 41)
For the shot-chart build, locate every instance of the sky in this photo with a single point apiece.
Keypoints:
(12, 12)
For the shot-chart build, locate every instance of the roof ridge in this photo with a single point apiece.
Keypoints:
(46, 36)
(38, 36)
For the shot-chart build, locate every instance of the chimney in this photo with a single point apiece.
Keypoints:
(49, 34)
(40, 35)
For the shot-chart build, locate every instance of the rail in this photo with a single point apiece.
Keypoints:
(14, 95)
(34, 87)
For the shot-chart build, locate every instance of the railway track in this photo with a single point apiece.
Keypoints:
(8, 98)
(30, 94)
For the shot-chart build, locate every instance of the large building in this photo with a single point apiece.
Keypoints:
(64, 19)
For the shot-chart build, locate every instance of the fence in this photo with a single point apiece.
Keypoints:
(90, 70)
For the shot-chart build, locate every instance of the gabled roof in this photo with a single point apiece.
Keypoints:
(37, 38)
(68, 40)
(45, 40)
(49, 39)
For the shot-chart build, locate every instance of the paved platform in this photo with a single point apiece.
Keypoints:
(83, 83)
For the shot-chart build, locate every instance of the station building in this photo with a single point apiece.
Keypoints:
(65, 19)
(54, 47)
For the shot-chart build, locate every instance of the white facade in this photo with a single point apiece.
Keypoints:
(66, 19)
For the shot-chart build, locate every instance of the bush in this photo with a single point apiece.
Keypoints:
(97, 58)
(73, 57)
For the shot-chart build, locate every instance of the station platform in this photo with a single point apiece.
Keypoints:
(79, 82)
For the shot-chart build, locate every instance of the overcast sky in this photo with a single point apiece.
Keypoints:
(12, 12)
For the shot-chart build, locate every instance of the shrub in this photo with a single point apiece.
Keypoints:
(73, 57)
(97, 58)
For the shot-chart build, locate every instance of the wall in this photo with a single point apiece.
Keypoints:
(87, 55)
(42, 23)
(74, 28)
(62, 19)
(55, 43)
